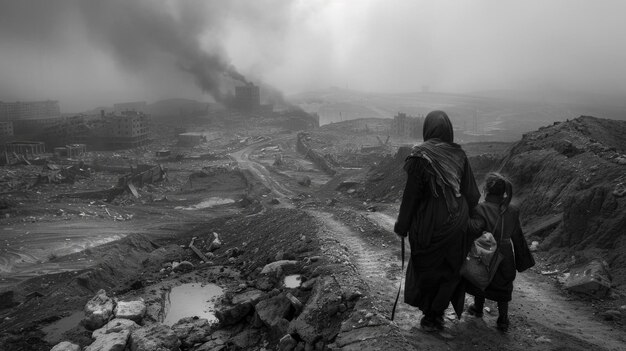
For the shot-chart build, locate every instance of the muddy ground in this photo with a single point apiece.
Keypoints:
(250, 189)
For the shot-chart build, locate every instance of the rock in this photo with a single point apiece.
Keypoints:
(154, 337)
(611, 315)
(232, 315)
(265, 282)
(274, 266)
(115, 326)
(251, 296)
(217, 342)
(297, 305)
(183, 267)
(247, 339)
(192, 330)
(110, 342)
(98, 311)
(534, 246)
(133, 310)
(620, 190)
(543, 339)
(591, 279)
(279, 256)
(65, 346)
(273, 201)
(308, 285)
(287, 343)
(216, 243)
(274, 312)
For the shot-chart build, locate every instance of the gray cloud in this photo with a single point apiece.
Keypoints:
(94, 52)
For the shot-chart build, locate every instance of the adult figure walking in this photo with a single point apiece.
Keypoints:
(439, 194)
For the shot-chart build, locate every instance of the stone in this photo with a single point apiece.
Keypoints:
(251, 296)
(591, 279)
(98, 310)
(183, 267)
(232, 315)
(274, 266)
(115, 326)
(272, 309)
(133, 310)
(308, 285)
(246, 339)
(265, 282)
(295, 302)
(534, 246)
(192, 330)
(110, 342)
(154, 337)
(287, 343)
(65, 346)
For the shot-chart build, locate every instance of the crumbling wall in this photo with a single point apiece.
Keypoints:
(319, 160)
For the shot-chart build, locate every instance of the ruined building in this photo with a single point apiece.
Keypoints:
(407, 126)
(11, 111)
(247, 97)
(6, 130)
(128, 130)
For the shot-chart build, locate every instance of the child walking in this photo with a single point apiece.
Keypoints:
(495, 214)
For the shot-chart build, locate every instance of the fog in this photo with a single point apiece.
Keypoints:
(92, 53)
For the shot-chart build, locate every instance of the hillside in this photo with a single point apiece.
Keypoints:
(576, 169)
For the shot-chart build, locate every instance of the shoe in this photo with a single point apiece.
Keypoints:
(502, 324)
(428, 324)
(473, 311)
(439, 322)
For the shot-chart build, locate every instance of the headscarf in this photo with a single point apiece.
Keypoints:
(498, 185)
(446, 158)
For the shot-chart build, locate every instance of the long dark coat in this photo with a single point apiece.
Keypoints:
(432, 277)
(512, 244)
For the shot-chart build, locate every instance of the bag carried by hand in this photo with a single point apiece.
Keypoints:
(482, 261)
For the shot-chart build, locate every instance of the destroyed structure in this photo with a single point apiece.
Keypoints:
(407, 126)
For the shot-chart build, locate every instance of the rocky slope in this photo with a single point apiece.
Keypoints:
(577, 168)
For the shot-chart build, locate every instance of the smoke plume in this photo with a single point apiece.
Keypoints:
(139, 33)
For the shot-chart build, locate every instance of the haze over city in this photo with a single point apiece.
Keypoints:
(93, 53)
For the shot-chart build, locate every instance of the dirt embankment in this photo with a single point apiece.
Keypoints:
(575, 168)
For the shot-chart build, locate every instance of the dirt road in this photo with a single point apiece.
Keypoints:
(542, 318)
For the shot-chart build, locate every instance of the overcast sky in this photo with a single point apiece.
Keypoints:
(96, 52)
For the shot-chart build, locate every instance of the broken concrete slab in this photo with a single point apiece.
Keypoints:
(133, 310)
(110, 342)
(98, 310)
(251, 296)
(65, 346)
(233, 314)
(192, 330)
(115, 326)
(592, 279)
(274, 266)
(154, 337)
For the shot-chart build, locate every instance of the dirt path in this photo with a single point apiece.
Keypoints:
(243, 158)
(542, 318)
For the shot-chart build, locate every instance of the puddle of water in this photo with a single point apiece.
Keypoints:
(210, 202)
(54, 332)
(190, 300)
(292, 281)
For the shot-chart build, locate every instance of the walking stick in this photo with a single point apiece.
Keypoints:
(395, 304)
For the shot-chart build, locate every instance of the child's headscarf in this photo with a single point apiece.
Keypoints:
(499, 185)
